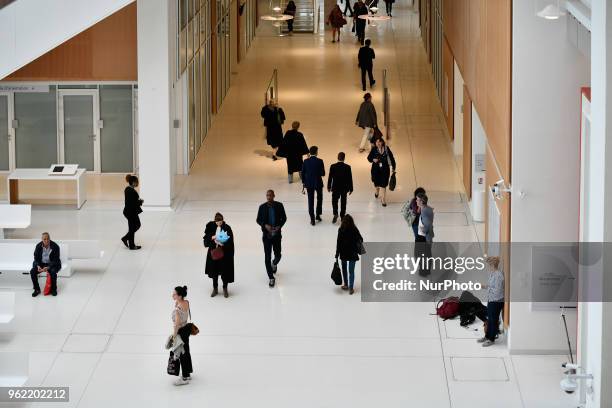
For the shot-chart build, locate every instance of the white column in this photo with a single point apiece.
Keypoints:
(154, 103)
(596, 318)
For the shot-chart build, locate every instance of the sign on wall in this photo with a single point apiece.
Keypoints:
(24, 88)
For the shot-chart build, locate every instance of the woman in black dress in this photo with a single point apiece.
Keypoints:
(290, 10)
(383, 164)
(273, 117)
(131, 209)
(293, 149)
(220, 255)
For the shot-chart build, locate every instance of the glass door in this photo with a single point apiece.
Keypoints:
(79, 128)
(6, 129)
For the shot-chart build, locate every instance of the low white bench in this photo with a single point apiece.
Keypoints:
(18, 255)
(7, 308)
(14, 216)
(14, 369)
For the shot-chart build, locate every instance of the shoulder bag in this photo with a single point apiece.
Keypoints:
(393, 178)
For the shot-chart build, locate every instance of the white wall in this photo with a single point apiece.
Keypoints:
(479, 147)
(30, 28)
(546, 79)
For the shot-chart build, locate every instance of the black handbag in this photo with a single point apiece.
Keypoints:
(336, 275)
(392, 182)
(361, 248)
(174, 366)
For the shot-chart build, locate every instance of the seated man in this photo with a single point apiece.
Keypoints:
(46, 259)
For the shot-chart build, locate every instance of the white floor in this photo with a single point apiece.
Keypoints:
(304, 343)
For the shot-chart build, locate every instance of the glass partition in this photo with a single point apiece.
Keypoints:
(36, 133)
(116, 140)
(4, 134)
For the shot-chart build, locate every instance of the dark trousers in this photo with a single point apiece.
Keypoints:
(342, 197)
(363, 76)
(290, 25)
(216, 282)
(133, 226)
(493, 311)
(389, 7)
(360, 26)
(34, 275)
(311, 194)
(271, 244)
(347, 6)
(422, 249)
(185, 358)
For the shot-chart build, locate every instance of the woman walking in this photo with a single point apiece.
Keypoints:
(336, 20)
(131, 209)
(383, 164)
(367, 120)
(416, 211)
(219, 239)
(389, 7)
(293, 148)
(273, 117)
(348, 246)
(290, 10)
(180, 317)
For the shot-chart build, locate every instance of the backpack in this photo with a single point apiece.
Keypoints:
(470, 307)
(448, 308)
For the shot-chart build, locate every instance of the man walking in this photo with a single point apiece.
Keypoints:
(339, 183)
(360, 9)
(313, 171)
(271, 217)
(366, 63)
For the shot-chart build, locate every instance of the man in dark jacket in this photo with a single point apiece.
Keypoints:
(339, 183)
(313, 171)
(46, 259)
(271, 217)
(360, 9)
(293, 148)
(366, 58)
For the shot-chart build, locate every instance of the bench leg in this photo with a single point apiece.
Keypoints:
(13, 192)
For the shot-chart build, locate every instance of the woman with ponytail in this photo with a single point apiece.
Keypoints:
(131, 210)
(180, 319)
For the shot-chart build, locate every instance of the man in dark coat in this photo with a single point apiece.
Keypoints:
(47, 260)
(340, 183)
(271, 217)
(313, 171)
(360, 24)
(223, 267)
(293, 148)
(273, 117)
(366, 58)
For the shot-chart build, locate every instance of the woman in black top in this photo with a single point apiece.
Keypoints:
(290, 10)
(220, 255)
(347, 249)
(383, 164)
(293, 148)
(131, 210)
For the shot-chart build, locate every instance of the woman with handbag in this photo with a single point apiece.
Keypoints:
(131, 209)
(383, 166)
(349, 245)
(180, 318)
(219, 239)
(336, 20)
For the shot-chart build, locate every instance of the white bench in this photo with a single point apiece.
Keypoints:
(14, 369)
(7, 308)
(14, 216)
(18, 255)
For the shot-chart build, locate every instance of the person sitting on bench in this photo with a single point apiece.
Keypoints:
(46, 259)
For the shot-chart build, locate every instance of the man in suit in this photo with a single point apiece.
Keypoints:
(339, 183)
(46, 259)
(271, 217)
(313, 171)
(366, 58)
(424, 238)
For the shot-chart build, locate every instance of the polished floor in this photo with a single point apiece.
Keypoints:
(304, 343)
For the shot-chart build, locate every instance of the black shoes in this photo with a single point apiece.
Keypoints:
(54, 293)
(312, 222)
(225, 293)
(372, 84)
(36, 292)
(125, 242)
(272, 282)
(334, 219)
(135, 247)
(318, 218)
(214, 293)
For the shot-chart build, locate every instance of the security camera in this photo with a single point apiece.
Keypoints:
(569, 385)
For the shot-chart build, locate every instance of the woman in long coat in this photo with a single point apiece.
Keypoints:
(293, 148)
(383, 163)
(273, 117)
(224, 266)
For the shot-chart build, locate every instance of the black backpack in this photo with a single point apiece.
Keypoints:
(469, 307)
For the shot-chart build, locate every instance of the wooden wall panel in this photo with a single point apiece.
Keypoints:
(467, 143)
(448, 87)
(106, 51)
